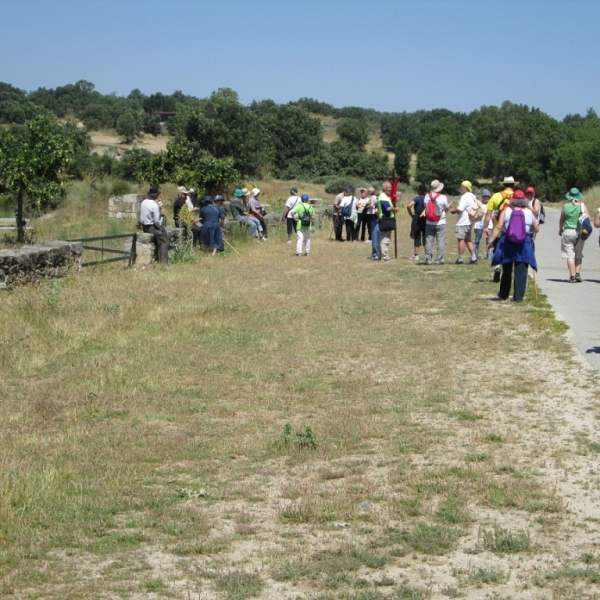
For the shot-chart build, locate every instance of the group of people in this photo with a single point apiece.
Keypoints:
(489, 219)
(372, 215)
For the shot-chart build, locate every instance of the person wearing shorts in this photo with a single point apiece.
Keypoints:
(571, 244)
(464, 225)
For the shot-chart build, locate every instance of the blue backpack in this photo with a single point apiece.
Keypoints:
(584, 227)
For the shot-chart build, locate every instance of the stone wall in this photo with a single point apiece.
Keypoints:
(125, 207)
(32, 264)
(146, 246)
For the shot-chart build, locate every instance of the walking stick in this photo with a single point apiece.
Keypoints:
(231, 247)
(395, 245)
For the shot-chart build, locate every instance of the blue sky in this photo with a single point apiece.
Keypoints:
(391, 55)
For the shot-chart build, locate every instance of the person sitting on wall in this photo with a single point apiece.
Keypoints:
(150, 221)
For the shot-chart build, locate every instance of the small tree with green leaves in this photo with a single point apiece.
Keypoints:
(33, 159)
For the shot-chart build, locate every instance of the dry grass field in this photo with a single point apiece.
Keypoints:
(280, 427)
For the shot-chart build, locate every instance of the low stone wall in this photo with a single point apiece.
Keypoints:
(146, 247)
(32, 264)
(125, 207)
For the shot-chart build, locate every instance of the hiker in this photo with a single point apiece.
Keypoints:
(150, 222)
(304, 215)
(436, 207)
(179, 203)
(258, 212)
(290, 203)
(347, 215)
(364, 217)
(338, 219)
(464, 225)
(514, 250)
(375, 234)
(478, 227)
(190, 200)
(240, 213)
(416, 210)
(535, 204)
(213, 217)
(385, 210)
(571, 243)
(494, 207)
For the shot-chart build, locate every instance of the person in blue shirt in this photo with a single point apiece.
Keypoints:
(416, 209)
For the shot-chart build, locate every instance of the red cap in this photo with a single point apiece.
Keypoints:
(530, 190)
(518, 195)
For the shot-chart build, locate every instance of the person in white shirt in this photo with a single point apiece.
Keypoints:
(463, 223)
(436, 207)
(293, 201)
(478, 227)
(150, 221)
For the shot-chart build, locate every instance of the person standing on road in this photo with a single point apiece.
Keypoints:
(571, 244)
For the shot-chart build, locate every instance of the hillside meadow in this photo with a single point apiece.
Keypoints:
(280, 427)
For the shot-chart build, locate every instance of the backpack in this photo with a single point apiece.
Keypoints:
(430, 208)
(542, 214)
(584, 226)
(476, 210)
(306, 220)
(347, 210)
(516, 231)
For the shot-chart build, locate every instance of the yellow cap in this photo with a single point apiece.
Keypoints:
(467, 184)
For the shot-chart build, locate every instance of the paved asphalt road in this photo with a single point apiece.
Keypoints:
(575, 303)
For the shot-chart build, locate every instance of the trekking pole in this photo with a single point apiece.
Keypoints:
(395, 245)
(231, 247)
(535, 285)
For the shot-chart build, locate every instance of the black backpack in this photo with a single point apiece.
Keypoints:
(306, 219)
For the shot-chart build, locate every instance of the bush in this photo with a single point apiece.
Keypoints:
(120, 187)
(337, 185)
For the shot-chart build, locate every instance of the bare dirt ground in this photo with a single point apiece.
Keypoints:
(104, 141)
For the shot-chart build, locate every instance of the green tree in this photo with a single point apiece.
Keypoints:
(128, 126)
(353, 132)
(444, 156)
(402, 157)
(33, 158)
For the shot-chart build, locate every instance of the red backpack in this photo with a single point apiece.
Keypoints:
(430, 207)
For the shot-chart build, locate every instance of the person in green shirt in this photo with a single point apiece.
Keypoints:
(304, 216)
(571, 244)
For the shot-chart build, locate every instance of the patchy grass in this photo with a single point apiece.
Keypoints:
(267, 426)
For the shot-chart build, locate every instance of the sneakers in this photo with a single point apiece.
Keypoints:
(459, 261)
(439, 262)
(414, 257)
(578, 277)
(427, 262)
(298, 253)
(473, 261)
(497, 273)
(572, 279)
(263, 239)
(387, 259)
(289, 242)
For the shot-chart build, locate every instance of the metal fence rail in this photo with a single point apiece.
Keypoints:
(122, 254)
